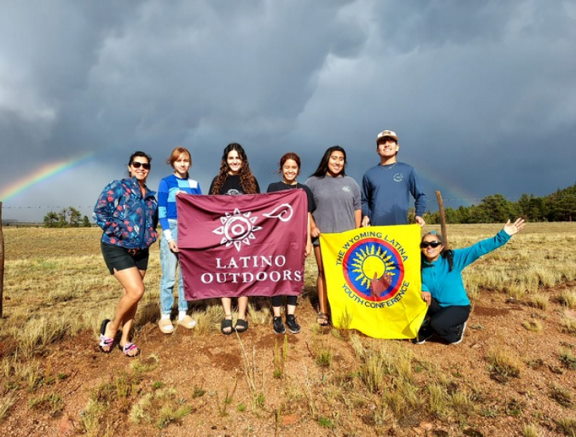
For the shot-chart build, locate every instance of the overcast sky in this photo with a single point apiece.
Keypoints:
(481, 93)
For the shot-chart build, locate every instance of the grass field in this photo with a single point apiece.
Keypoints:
(57, 290)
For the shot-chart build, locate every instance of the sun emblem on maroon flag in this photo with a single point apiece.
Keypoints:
(237, 229)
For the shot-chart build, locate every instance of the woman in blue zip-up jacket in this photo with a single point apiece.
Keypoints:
(127, 213)
(442, 285)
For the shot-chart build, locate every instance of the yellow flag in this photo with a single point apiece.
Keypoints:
(373, 280)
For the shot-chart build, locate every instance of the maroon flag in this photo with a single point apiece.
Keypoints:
(248, 245)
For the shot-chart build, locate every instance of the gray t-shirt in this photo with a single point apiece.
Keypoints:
(336, 200)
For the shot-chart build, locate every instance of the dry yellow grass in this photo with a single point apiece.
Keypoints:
(56, 283)
(536, 258)
(503, 365)
(57, 286)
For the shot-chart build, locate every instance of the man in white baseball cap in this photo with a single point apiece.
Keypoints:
(387, 187)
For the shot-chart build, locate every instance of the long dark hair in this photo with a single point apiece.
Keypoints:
(446, 253)
(323, 166)
(247, 179)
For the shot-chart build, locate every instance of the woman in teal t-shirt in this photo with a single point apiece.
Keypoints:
(442, 285)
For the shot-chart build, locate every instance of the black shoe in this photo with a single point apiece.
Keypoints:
(424, 334)
(461, 329)
(278, 325)
(292, 324)
(420, 339)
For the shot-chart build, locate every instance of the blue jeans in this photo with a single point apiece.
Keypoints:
(169, 263)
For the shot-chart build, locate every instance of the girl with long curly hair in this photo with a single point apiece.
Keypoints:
(234, 178)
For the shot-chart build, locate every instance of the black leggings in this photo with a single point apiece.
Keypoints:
(446, 321)
(290, 300)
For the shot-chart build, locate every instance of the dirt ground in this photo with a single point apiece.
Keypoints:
(209, 371)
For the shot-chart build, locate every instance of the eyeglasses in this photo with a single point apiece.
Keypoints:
(433, 244)
(145, 165)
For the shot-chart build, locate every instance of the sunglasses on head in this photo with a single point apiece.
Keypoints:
(433, 244)
(144, 165)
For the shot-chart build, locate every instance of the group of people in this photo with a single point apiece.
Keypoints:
(128, 213)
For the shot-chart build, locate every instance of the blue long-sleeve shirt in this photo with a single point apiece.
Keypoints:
(447, 287)
(386, 191)
(169, 187)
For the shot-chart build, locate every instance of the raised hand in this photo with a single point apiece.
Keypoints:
(513, 228)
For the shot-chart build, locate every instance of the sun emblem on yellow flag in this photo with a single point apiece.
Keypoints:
(370, 263)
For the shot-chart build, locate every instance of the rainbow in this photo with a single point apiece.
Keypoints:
(40, 175)
(450, 191)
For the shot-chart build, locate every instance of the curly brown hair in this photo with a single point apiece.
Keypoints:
(247, 179)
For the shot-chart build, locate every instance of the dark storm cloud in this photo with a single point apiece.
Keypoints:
(481, 93)
(478, 94)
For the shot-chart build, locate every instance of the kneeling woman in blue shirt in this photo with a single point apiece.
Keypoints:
(442, 285)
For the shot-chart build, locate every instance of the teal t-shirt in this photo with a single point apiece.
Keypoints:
(446, 286)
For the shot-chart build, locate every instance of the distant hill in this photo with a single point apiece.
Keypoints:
(16, 223)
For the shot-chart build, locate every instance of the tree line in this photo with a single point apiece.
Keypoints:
(559, 206)
(67, 218)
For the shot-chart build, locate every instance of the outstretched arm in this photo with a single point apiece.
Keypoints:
(466, 256)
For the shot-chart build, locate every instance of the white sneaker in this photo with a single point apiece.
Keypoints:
(166, 326)
(187, 322)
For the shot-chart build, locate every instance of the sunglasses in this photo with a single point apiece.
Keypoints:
(433, 244)
(145, 165)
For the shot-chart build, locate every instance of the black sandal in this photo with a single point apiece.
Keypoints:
(226, 326)
(241, 325)
(322, 319)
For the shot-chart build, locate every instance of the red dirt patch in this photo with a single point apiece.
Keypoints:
(207, 371)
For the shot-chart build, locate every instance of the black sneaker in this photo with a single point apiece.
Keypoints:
(293, 325)
(461, 328)
(424, 334)
(278, 325)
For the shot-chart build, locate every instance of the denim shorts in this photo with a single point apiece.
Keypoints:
(118, 258)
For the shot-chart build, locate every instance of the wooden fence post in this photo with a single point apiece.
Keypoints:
(1, 263)
(442, 214)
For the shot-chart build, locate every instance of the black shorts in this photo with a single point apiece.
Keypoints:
(118, 258)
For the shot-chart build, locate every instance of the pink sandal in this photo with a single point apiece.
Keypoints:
(128, 348)
(106, 343)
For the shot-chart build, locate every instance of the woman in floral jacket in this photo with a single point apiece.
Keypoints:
(127, 213)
